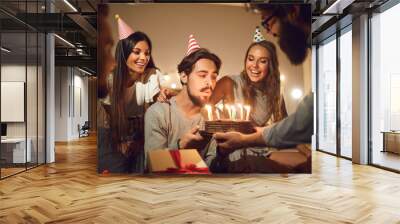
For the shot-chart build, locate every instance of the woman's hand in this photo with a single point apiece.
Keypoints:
(164, 95)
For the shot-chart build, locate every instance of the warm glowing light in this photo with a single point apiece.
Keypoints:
(282, 84)
(209, 112)
(297, 94)
(228, 108)
(247, 108)
(241, 112)
(220, 108)
(218, 115)
(233, 111)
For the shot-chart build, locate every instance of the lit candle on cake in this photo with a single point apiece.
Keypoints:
(217, 113)
(233, 110)
(220, 108)
(247, 108)
(228, 108)
(241, 111)
(231, 121)
(209, 112)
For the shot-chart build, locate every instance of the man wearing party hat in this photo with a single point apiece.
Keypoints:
(175, 125)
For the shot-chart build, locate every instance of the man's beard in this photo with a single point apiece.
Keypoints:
(196, 100)
(293, 41)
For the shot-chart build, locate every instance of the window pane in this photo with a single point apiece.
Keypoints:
(327, 96)
(385, 85)
(15, 151)
(346, 94)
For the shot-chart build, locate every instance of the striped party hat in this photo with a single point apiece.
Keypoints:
(192, 45)
(124, 30)
(258, 37)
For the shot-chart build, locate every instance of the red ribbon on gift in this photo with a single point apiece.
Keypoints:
(185, 168)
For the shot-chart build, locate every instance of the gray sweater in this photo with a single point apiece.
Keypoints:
(293, 130)
(165, 123)
(259, 114)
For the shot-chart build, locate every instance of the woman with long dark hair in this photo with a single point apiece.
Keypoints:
(134, 86)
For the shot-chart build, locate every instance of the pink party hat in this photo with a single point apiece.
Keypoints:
(192, 45)
(124, 30)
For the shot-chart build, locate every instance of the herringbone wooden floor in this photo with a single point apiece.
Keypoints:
(70, 191)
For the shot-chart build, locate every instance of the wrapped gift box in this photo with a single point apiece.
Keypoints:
(183, 161)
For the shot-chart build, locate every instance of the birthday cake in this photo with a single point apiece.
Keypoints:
(244, 127)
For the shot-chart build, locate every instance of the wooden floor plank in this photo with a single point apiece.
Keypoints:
(70, 191)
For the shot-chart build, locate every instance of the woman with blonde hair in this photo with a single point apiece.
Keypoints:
(257, 85)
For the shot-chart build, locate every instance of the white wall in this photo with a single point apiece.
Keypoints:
(16, 73)
(225, 30)
(12, 73)
(33, 127)
(61, 103)
(69, 85)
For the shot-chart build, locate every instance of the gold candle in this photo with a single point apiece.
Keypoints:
(247, 108)
(209, 112)
(233, 110)
(241, 111)
(217, 113)
(228, 108)
(220, 108)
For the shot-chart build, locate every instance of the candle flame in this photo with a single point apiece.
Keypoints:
(247, 108)
(220, 107)
(241, 110)
(233, 111)
(228, 108)
(209, 112)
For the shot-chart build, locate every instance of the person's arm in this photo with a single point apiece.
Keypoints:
(223, 90)
(215, 162)
(295, 129)
(229, 141)
(146, 92)
(282, 108)
(155, 132)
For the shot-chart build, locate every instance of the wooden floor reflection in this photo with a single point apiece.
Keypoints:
(70, 191)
